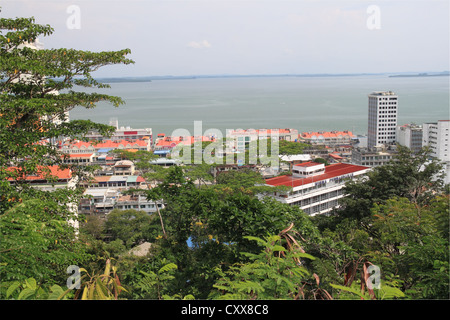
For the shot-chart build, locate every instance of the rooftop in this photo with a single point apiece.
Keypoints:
(382, 93)
(308, 164)
(331, 171)
(109, 144)
(172, 141)
(42, 174)
(326, 134)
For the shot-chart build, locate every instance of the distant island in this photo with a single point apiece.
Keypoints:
(446, 73)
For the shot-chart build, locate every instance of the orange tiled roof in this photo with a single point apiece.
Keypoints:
(173, 141)
(81, 144)
(326, 134)
(79, 155)
(110, 144)
(55, 171)
(124, 143)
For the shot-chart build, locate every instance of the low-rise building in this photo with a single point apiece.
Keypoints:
(137, 202)
(83, 147)
(50, 178)
(124, 168)
(98, 201)
(120, 182)
(165, 144)
(316, 188)
(79, 158)
(121, 133)
(373, 157)
(327, 138)
(293, 159)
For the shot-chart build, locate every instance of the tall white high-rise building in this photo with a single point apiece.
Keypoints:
(382, 123)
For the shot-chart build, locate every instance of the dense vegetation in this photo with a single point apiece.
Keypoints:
(214, 239)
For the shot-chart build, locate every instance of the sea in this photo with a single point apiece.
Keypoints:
(305, 103)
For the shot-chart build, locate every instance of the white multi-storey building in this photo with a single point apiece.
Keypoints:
(436, 135)
(382, 123)
(410, 135)
(316, 188)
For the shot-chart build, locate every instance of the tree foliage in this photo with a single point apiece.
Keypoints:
(415, 176)
(36, 92)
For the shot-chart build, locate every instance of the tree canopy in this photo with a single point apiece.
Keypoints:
(36, 92)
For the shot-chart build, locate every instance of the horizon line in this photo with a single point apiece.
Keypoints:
(418, 73)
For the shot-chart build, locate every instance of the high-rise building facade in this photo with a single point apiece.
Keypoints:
(436, 136)
(382, 124)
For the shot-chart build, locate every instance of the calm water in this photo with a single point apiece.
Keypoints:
(302, 103)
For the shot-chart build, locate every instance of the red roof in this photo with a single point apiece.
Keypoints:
(335, 156)
(331, 171)
(55, 171)
(140, 179)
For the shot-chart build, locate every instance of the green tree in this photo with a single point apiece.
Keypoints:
(411, 175)
(409, 240)
(130, 226)
(242, 178)
(36, 92)
(215, 222)
(273, 273)
(292, 148)
(38, 242)
(153, 283)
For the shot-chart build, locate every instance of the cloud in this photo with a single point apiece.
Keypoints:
(199, 45)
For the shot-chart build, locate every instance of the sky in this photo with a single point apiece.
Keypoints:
(210, 37)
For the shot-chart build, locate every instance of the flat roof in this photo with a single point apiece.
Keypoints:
(331, 171)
